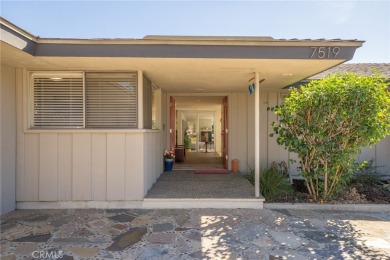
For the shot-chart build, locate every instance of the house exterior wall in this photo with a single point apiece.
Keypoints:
(83, 164)
(7, 139)
(241, 145)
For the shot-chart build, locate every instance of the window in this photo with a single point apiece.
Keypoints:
(156, 103)
(57, 100)
(78, 100)
(111, 100)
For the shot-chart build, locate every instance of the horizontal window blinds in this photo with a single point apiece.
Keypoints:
(58, 100)
(111, 100)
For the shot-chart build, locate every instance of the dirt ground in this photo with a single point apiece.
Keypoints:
(353, 194)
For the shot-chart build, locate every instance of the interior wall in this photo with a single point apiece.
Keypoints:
(179, 127)
(7, 138)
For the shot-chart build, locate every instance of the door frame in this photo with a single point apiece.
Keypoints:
(167, 109)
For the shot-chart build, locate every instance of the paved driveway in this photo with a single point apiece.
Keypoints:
(195, 234)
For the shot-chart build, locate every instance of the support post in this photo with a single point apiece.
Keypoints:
(257, 135)
(140, 95)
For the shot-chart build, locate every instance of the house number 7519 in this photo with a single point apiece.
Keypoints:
(324, 52)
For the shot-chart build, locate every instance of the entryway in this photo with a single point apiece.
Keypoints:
(200, 160)
(185, 189)
(200, 126)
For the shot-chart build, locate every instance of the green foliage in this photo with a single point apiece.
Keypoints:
(327, 122)
(187, 142)
(366, 174)
(272, 182)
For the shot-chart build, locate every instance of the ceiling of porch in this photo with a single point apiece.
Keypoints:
(183, 75)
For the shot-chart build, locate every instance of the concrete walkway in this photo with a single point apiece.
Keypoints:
(195, 234)
(187, 184)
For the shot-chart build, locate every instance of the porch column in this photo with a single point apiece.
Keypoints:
(257, 135)
(140, 99)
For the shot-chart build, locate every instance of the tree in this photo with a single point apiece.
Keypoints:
(327, 122)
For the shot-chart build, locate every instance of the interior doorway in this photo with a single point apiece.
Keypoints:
(199, 131)
(198, 128)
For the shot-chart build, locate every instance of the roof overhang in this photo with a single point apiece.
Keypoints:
(181, 64)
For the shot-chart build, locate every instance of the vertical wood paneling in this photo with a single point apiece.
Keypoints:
(116, 155)
(81, 174)
(293, 166)
(65, 166)
(263, 130)
(273, 147)
(233, 129)
(20, 139)
(31, 172)
(383, 155)
(147, 162)
(283, 153)
(367, 154)
(99, 166)
(134, 167)
(242, 141)
(48, 167)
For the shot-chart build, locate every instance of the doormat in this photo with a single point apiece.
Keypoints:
(212, 171)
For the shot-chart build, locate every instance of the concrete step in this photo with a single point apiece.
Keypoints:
(179, 203)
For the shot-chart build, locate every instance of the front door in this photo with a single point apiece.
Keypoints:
(225, 132)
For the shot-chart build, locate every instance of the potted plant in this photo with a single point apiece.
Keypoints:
(187, 143)
(187, 140)
(168, 160)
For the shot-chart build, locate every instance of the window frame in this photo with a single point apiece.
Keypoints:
(82, 74)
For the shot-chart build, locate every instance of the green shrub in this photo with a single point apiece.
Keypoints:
(327, 122)
(366, 174)
(272, 182)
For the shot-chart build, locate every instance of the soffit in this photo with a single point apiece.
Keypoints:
(183, 75)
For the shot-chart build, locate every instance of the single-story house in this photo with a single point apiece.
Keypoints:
(84, 121)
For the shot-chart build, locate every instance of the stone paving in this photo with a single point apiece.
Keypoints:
(194, 234)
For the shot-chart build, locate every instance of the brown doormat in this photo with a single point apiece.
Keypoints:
(212, 171)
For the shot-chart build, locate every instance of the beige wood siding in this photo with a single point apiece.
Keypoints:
(82, 164)
(241, 132)
(89, 166)
(48, 166)
(81, 172)
(65, 166)
(7, 138)
(99, 167)
(116, 157)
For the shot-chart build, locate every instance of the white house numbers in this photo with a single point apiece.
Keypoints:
(324, 52)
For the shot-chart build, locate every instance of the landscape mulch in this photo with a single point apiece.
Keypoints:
(354, 194)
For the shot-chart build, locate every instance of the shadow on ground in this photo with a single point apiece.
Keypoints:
(195, 234)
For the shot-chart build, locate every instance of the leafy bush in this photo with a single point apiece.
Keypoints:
(272, 182)
(366, 174)
(327, 122)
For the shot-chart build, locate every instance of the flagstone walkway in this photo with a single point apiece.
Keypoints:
(194, 234)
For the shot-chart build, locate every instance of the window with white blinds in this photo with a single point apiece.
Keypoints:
(111, 100)
(58, 100)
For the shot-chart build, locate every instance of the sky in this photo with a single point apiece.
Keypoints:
(362, 20)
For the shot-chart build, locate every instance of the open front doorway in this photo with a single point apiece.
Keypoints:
(198, 127)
